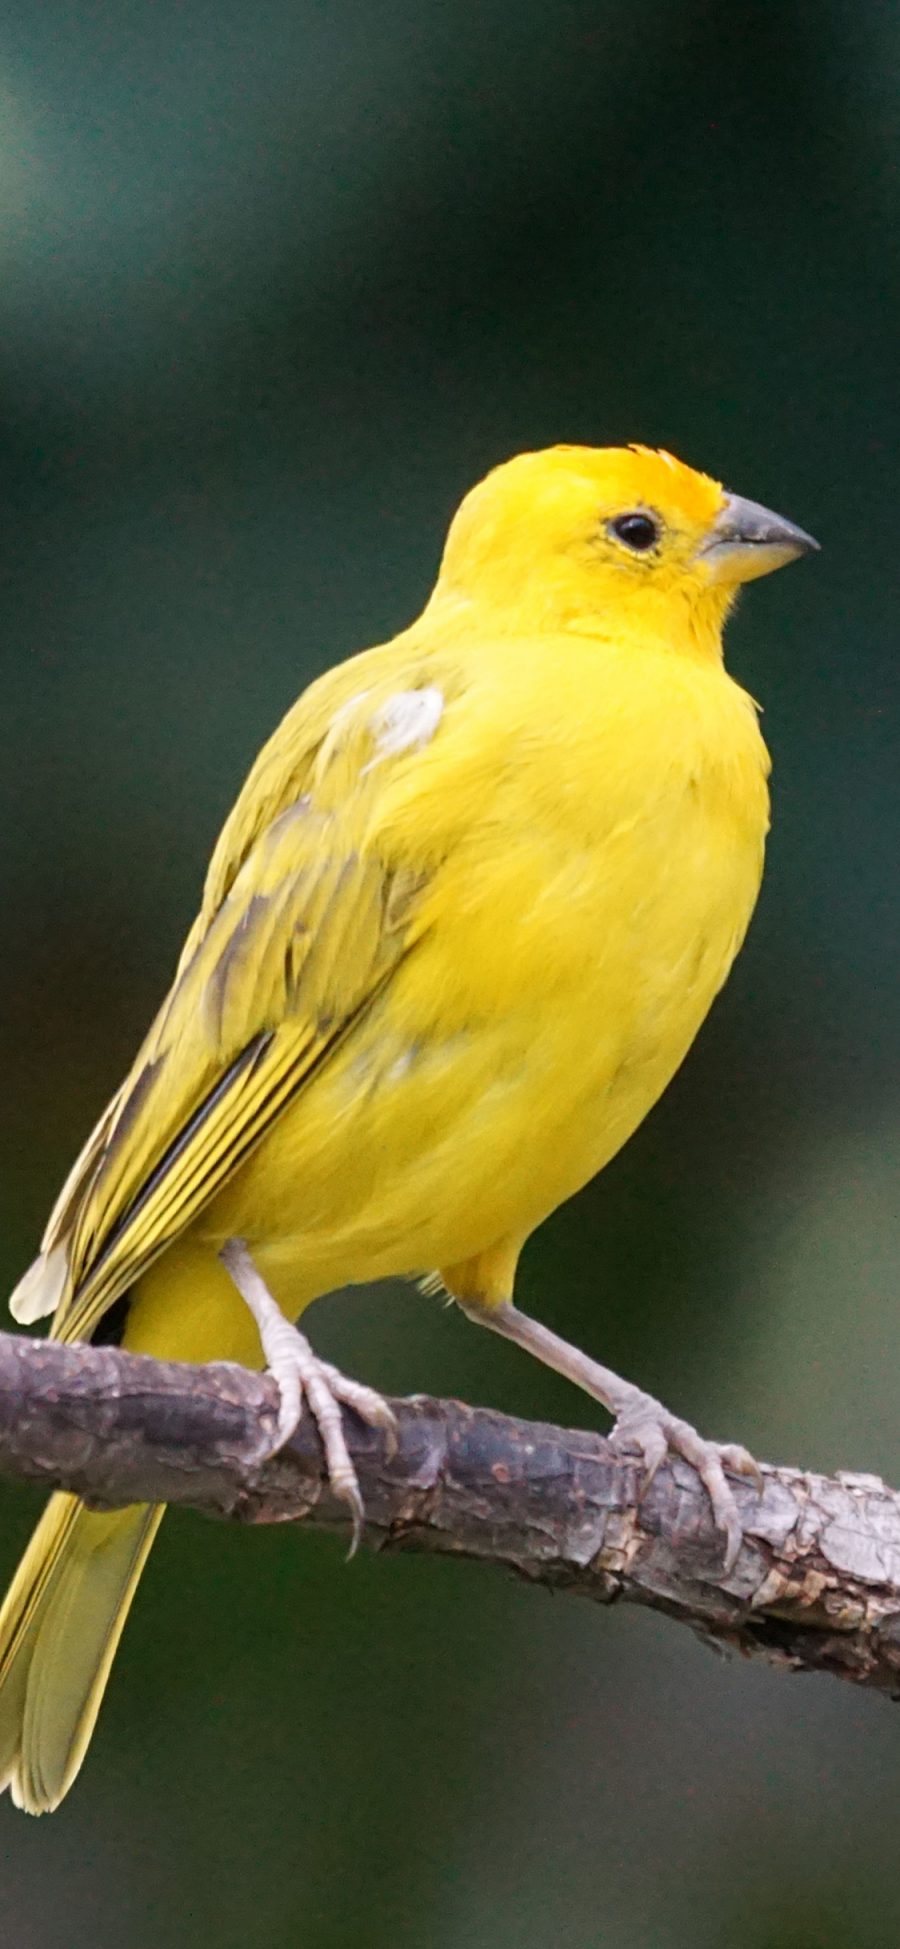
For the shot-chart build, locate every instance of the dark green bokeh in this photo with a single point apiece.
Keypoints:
(279, 282)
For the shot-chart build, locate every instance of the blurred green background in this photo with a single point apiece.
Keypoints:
(278, 283)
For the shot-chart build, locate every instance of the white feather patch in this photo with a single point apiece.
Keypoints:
(407, 721)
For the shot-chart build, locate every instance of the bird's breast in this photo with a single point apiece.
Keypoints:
(583, 924)
(602, 882)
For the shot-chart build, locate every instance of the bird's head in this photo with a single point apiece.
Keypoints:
(589, 538)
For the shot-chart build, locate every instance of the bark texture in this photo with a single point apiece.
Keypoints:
(816, 1586)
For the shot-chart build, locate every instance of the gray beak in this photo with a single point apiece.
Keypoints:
(747, 540)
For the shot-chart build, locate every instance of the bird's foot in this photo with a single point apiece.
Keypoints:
(646, 1426)
(302, 1378)
(641, 1423)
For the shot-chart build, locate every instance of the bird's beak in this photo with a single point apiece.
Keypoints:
(746, 540)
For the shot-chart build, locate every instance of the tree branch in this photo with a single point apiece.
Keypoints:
(816, 1586)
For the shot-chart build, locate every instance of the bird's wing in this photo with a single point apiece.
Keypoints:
(282, 773)
(308, 926)
(320, 742)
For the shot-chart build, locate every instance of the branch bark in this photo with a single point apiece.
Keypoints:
(816, 1586)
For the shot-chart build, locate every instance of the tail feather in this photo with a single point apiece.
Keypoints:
(59, 1629)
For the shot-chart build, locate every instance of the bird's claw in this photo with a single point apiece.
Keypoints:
(325, 1390)
(647, 1427)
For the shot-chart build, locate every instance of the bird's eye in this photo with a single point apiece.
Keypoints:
(639, 531)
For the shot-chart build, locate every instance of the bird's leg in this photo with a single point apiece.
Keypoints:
(302, 1376)
(641, 1423)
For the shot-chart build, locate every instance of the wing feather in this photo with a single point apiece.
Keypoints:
(310, 924)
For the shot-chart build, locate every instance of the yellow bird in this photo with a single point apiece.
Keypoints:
(464, 922)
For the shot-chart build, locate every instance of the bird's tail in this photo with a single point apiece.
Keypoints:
(59, 1628)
